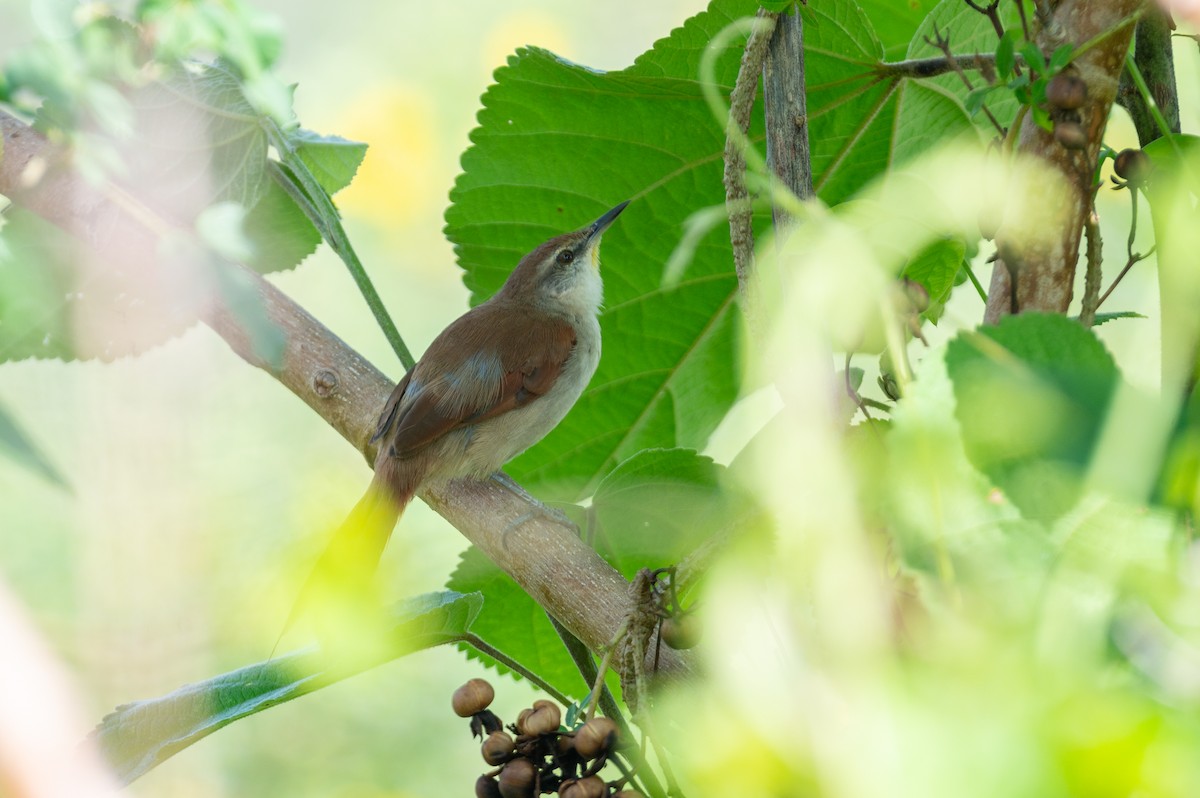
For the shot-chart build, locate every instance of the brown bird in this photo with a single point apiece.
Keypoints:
(491, 385)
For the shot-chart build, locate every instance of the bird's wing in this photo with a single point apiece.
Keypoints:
(475, 370)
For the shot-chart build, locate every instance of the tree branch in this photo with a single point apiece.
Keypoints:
(937, 65)
(1045, 270)
(542, 553)
(786, 110)
(1153, 54)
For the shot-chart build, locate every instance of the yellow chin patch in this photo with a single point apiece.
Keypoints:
(594, 254)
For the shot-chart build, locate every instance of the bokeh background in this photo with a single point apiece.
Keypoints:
(201, 489)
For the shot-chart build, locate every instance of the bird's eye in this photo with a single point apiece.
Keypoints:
(565, 256)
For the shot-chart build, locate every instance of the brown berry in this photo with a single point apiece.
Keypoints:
(517, 779)
(590, 787)
(1066, 92)
(497, 748)
(486, 787)
(472, 698)
(1133, 165)
(1070, 134)
(542, 718)
(681, 631)
(597, 736)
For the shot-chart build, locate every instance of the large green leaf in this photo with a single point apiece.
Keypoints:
(141, 735)
(896, 21)
(558, 144)
(1031, 395)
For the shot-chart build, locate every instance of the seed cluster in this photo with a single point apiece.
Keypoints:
(537, 755)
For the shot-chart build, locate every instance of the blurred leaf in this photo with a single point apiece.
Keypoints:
(657, 507)
(936, 267)
(141, 735)
(1031, 394)
(245, 304)
(333, 160)
(1006, 55)
(514, 623)
(558, 144)
(18, 447)
(36, 288)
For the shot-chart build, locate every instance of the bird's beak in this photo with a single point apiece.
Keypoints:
(596, 228)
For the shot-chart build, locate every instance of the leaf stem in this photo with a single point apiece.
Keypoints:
(318, 207)
(479, 644)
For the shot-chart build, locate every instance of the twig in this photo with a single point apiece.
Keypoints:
(990, 11)
(1091, 283)
(943, 43)
(1131, 256)
(741, 103)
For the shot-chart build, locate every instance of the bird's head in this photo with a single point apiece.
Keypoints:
(563, 274)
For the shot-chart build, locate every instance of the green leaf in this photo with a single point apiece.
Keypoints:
(1101, 318)
(937, 266)
(17, 446)
(1006, 55)
(1033, 57)
(1031, 394)
(657, 507)
(778, 6)
(514, 623)
(141, 735)
(333, 160)
(558, 144)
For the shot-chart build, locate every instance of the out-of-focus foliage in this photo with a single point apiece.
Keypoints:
(140, 735)
(988, 593)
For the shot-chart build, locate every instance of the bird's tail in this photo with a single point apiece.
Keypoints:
(340, 591)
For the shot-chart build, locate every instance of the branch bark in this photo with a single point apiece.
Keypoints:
(786, 109)
(542, 553)
(1154, 56)
(1045, 272)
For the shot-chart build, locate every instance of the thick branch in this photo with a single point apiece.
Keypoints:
(545, 556)
(1154, 57)
(1046, 269)
(786, 111)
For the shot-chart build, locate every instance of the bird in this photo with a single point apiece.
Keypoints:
(492, 384)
